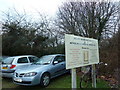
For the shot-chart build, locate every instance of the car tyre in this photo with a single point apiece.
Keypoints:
(45, 80)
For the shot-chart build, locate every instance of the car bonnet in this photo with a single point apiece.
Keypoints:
(30, 68)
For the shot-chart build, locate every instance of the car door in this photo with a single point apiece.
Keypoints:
(59, 67)
(22, 61)
(33, 59)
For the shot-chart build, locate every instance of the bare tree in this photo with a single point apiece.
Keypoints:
(88, 19)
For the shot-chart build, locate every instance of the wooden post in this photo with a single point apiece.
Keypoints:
(74, 85)
(93, 76)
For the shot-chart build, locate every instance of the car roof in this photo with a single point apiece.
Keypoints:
(55, 55)
(22, 56)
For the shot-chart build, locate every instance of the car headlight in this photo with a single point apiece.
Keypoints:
(30, 74)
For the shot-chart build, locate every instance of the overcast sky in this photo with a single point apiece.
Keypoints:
(49, 7)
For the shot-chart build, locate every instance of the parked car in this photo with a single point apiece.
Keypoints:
(10, 64)
(40, 72)
(2, 58)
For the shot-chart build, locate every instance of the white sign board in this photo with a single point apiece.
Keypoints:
(80, 51)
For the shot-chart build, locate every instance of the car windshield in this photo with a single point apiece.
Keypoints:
(44, 60)
(8, 60)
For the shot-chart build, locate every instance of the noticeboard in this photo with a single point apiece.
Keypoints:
(80, 51)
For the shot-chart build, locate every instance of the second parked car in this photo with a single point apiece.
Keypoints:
(10, 64)
(42, 71)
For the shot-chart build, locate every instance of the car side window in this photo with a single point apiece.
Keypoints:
(22, 60)
(33, 59)
(60, 59)
(63, 58)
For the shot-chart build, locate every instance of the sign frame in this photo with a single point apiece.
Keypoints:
(80, 51)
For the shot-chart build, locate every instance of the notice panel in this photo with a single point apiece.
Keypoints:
(80, 51)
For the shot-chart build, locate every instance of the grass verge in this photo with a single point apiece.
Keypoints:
(63, 81)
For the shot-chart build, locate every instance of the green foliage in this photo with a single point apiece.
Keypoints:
(17, 40)
(0, 45)
(59, 49)
(23, 36)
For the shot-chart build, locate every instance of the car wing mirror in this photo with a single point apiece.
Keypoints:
(55, 62)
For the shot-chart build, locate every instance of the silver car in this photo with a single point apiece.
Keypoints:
(46, 68)
(10, 64)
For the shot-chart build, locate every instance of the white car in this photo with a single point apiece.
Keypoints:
(10, 64)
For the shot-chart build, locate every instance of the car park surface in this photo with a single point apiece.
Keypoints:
(10, 64)
(40, 72)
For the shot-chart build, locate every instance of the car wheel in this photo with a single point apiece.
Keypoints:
(45, 80)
